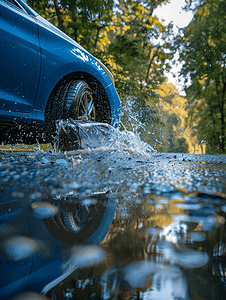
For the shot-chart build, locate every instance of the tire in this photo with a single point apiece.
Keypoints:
(76, 224)
(79, 103)
(75, 100)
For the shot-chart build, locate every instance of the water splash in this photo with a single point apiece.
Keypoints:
(74, 135)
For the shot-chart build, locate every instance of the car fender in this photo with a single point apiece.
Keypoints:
(91, 68)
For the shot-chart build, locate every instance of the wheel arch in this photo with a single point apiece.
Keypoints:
(101, 99)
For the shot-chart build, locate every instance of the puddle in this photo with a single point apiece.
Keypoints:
(164, 227)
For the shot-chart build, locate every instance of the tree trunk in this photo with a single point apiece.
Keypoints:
(221, 96)
(59, 15)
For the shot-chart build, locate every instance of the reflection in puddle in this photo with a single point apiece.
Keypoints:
(80, 257)
(166, 240)
(168, 283)
(157, 262)
(163, 281)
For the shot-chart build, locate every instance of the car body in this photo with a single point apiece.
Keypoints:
(38, 64)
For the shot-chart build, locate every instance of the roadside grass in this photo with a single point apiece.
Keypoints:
(25, 147)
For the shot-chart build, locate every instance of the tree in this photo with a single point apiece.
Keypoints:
(174, 137)
(202, 50)
(140, 50)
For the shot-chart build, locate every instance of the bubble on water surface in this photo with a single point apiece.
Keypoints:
(153, 231)
(197, 236)
(84, 256)
(45, 160)
(156, 276)
(192, 259)
(188, 258)
(136, 274)
(223, 208)
(72, 185)
(208, 223)
(17, 195)
(88, 201)
(61, 161)
(151, 201)
(189, 206)
(19, 247)
(169, 283)
(190, 199)
(43, 210)
(163, 201)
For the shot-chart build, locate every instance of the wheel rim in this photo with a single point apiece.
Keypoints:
(86, 109)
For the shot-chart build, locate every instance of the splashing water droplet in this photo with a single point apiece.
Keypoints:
(74, 135)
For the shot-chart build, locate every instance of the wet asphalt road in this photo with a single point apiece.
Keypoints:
(167, 235)
(34, 172)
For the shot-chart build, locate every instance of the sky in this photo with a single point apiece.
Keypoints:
(172, 12)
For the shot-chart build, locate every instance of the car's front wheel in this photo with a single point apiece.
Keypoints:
(76, 100)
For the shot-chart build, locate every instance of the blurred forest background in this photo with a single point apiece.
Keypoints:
(138, 49)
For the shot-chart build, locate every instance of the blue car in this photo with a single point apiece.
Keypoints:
(45, 76)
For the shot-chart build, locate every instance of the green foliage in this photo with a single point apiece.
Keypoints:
(202, 49)
(138, 61)
(173, 136)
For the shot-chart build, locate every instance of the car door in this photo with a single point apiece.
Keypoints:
(20, 58)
